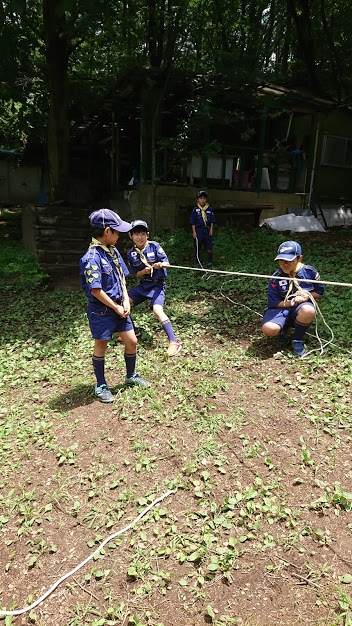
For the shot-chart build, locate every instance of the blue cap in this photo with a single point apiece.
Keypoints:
(288, 251)
(202, 193)
(140, 223)
(103, 218)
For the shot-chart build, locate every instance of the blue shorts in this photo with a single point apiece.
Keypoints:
(104, 322)
(204, 238)
(283, 317)
(147, 290)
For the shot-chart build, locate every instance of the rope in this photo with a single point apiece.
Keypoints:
(270, 276)
(197, 254)
(65, 576)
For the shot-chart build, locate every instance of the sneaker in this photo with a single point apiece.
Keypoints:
(281, 339)
(298, 347)
(136, 381)
(174, 348)
(103, 394)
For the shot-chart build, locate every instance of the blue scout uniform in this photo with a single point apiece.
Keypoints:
(203, 227)
(278, 289)
(151, 286)
(101, 270)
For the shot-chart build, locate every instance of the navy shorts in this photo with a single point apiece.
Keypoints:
(283, 317)
(154, 292)
(104, 322)
(204, 238)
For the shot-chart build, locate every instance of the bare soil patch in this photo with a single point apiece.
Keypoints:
(254, 451)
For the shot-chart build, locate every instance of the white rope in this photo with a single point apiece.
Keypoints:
(65, 576)
(270, 276)
(323, 343)
(197, 254)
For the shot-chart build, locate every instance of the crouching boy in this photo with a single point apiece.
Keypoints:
(291, 302)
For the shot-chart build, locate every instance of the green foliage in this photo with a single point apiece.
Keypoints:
(257, 449)
(243, 298)
(107, 40)
(19, 269)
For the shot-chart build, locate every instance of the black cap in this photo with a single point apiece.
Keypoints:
(202, 193)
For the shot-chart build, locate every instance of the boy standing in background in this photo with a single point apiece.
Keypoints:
(202, 221)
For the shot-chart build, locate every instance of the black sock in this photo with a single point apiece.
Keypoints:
(99, 369)
(130, 360)
(300, 330)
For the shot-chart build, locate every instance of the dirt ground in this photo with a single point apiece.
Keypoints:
(290, 553)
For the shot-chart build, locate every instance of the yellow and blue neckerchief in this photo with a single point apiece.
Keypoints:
(143, 258)
(203, 210)
(294, 283)
(110, 250)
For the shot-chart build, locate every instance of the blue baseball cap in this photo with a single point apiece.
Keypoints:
(202, 193)
(139, 223)
(288, 251)
(103, 218)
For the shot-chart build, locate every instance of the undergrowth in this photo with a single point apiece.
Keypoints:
(256, 445)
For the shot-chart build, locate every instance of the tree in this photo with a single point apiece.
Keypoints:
(69, 52)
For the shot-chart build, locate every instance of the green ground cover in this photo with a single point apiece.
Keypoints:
(255, 443)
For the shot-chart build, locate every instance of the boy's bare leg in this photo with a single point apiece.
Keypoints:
(174, 344)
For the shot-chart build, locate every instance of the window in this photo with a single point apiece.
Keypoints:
(337, 151)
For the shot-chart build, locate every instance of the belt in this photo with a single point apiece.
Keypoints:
(151, 280)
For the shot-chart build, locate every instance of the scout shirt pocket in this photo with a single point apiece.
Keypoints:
(108, 277)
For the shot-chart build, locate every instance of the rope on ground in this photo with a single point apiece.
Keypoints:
(65, 576)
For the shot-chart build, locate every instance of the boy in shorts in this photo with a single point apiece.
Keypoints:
(102, 275)
(202, 221)
(147, 260)
(291, 303)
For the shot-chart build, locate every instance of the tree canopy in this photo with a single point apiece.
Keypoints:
(58, 57)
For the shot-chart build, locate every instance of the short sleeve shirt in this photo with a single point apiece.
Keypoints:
(98, 271)
(154, 253)
(279, 285)
(196, 218)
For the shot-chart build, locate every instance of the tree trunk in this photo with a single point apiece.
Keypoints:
(57, 55)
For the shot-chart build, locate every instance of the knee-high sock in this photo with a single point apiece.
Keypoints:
(167, 328)
(130, 360)
(99, 369)
(300, 330)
